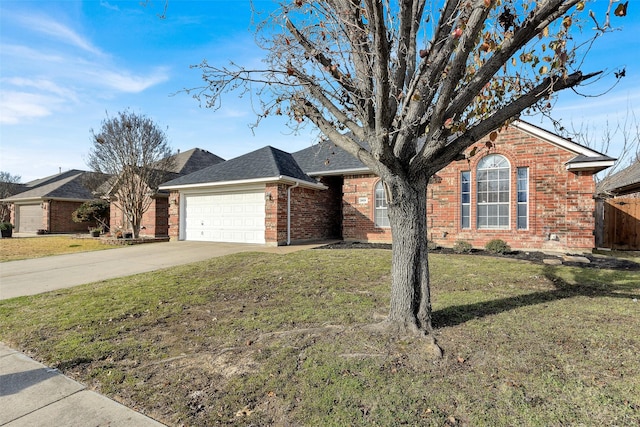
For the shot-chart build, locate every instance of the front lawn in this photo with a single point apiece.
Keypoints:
(17, 248)
(265, 339)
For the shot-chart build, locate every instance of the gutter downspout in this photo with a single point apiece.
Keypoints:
(289, 212)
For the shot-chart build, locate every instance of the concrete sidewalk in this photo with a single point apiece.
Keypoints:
(32, 394)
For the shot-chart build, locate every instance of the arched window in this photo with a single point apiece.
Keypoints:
(493, 186)
(381, 219)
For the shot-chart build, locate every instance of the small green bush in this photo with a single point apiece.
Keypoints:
(96, 211)
(462, 247)
(497, 246)
(431, 245)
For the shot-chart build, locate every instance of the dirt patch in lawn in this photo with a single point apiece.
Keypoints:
(595, 261)
(286, 340)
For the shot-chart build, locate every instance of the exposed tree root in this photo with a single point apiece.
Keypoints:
(309, 331)
(407, 330)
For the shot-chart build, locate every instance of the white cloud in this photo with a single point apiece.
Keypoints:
(48, 26)
(41, 85)
(109, 6)
(18, 106)
(29, 55)
(124, 81)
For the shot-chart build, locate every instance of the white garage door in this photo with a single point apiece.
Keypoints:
(236, 216)
(29, 218)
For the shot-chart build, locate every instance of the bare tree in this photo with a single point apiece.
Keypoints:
(8, 187)
(623, 136)
(135, 152)
(420, 81)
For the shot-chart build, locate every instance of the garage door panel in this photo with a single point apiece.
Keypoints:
(226, 217)
(29, 218)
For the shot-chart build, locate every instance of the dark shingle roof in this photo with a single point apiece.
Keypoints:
(74, 184)
(52, 178)
(325, 158)
(582, 158)
(193, 160)
(624, 182)
(267, 162)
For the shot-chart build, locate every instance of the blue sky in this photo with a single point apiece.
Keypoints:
(65, 64)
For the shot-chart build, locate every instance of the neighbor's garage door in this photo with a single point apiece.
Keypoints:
(236, 216)
(29, 218)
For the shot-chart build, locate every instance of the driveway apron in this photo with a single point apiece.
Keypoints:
(34, 276)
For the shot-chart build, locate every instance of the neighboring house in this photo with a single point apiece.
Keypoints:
(8, 189)
(623, 183)
(618, 210)
(155, 221)
(47, 203)
(529, 187)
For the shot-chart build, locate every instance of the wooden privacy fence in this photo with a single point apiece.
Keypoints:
(618, 224)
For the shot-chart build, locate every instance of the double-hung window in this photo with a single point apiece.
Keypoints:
(522, 222)
(381, 219)
(493, 186)
(465, 199)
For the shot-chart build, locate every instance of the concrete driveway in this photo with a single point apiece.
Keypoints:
(34, 276)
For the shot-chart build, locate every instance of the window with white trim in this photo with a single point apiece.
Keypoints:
(522, 222)
(465, 199)
(381, 219)
(493, 186)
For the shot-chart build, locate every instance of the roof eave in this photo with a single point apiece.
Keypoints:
(340, 172)
(46, 199)
(626, 189)
(267, 180)
(594, 166)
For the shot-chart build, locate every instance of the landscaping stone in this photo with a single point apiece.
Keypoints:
(576, 258)
(552, 261)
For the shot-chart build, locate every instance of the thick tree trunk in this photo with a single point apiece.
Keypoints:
(410, 309)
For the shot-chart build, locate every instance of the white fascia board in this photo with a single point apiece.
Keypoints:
(302, 183)
(24, 201)
(555, 139)
(275, 179)
(31, 200)
(602, 164)
(340, 172)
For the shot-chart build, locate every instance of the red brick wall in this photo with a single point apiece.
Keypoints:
(315, 214)
(116, 217)
(58, 215)
(275, 214)
(358, 202)
(561, 203)
(174, 215)
(155, 221)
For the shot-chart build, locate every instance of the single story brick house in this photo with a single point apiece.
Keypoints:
(47, 203)
(155, 220)
(528, 187)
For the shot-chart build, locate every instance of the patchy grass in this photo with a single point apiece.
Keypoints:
(630, 255)
(264, 339)
(17, 248)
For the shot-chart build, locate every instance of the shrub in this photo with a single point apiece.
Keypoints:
(497, 246)
(6, 226)
(431, 245)
(96, 211)
(462, 247)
